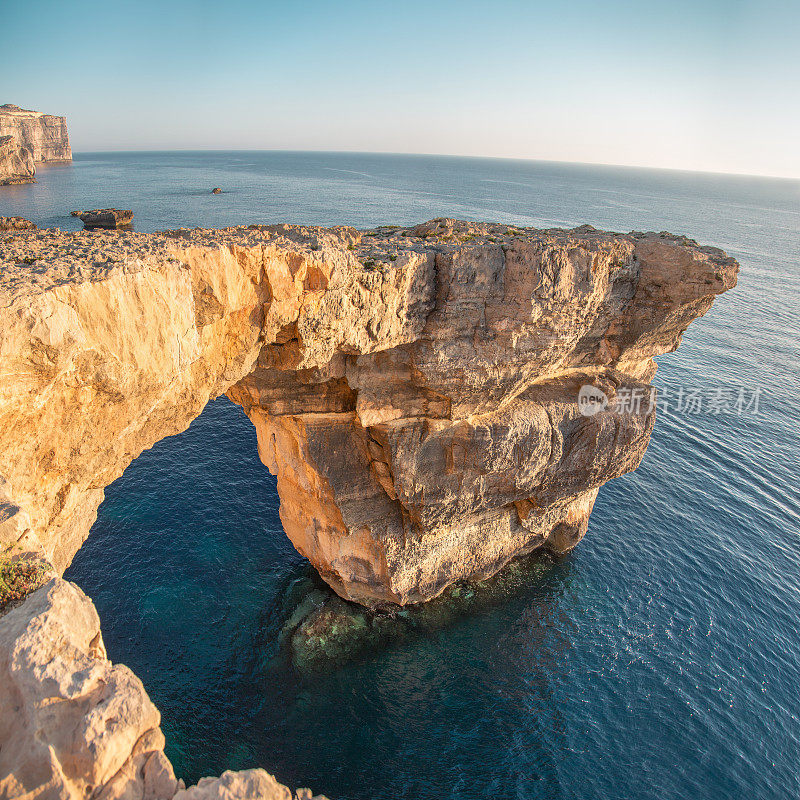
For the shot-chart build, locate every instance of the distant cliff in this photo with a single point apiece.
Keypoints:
(44, 135)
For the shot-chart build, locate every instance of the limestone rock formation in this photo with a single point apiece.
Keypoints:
(415, 390)
(16, 163)
(77, 726)
(105, 218)
(44, 135)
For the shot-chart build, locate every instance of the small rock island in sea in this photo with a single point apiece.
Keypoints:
(415, 390)
(109, 218)
(27, 138)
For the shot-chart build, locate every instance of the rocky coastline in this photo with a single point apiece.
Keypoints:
(415, 390)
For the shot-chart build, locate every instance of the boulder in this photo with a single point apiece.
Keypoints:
(247, 784)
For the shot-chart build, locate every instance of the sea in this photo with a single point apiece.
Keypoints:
(661, 659)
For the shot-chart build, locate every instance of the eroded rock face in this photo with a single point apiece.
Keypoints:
(16, 163)
(458, 443)
(44, 135)
(414, 390)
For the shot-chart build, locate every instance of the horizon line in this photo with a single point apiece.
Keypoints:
(441, 155)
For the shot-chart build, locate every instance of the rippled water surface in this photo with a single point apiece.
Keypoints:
(660, 660)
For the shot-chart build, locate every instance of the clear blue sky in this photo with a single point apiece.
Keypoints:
(708, 84)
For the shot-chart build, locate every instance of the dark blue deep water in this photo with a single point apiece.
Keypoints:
(660, 660)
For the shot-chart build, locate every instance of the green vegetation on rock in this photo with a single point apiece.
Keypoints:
(18, 578)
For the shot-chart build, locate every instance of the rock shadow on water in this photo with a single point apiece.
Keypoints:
(325, 632)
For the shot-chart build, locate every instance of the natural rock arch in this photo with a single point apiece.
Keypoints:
(414, 390)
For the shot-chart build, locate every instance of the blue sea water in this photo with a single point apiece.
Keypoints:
(660, 660)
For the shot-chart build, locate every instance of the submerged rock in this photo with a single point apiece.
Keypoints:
(330, 632)
(334, 632)
(105, 218)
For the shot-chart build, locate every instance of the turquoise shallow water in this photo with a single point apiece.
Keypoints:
(660, 660)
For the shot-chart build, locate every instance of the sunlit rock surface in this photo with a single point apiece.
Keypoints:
(105, 218)
(257, 784)
(72, 721)
(16, 224)
(415, 390)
